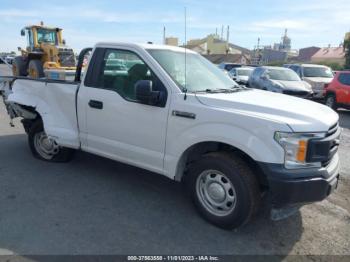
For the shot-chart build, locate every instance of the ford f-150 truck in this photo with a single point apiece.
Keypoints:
(172, 112)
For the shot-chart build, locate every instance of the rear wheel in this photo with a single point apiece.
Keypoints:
(36, 69)
(46, 148)
(19, 66)
(224, 189)
(331, 101)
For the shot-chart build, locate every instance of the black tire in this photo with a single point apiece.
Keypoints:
(35, 69)
(63, 154)
(19, 66)
(246, 188)
(331, 101)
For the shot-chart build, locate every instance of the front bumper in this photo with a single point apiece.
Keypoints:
(318, 94)
(300, 186)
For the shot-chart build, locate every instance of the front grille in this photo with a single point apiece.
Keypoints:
(333, 143)
(323, 150)
(296, 93)
(66, 57)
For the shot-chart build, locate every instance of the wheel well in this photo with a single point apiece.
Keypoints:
(330, 93)
(195, 152)
(33, 56)
(28, 122)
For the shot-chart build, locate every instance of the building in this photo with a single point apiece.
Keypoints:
(229, 58)
(285, 44)
(214, 45)
(271, 56)
(306, 53)
(173, 41)
(329, 55)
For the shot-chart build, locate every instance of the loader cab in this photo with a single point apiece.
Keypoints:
(39, 36)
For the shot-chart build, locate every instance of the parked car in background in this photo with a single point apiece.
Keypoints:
(337, 93)
(9, 59)
(241, 74)
(280, 80)
(228, 66)
(316, 75)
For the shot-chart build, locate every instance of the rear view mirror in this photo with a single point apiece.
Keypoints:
(145, 93)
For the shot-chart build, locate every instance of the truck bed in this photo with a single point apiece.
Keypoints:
(53, 100)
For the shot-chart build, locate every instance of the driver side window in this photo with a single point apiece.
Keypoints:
(121, 70)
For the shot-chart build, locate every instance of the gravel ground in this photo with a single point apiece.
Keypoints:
(97, 206)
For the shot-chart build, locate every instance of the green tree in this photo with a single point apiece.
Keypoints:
(347, 53)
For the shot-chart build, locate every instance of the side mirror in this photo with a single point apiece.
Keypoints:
(19, 49)
(22, 32)
(263, 77)
(64, 41)
(145, 94)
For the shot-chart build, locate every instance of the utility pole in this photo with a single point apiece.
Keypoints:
(228, 35)
(164, 41)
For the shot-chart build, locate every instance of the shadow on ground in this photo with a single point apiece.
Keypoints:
(344, 118)
(94, 205)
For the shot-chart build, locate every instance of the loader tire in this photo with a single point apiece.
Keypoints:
(19, 67)
(35, 69)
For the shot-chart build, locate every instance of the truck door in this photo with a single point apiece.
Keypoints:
(117, 125)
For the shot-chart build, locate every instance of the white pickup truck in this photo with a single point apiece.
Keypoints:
(148, 106)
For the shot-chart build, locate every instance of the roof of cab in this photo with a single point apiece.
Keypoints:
(276, 67)
(312, 65)
(145, 46)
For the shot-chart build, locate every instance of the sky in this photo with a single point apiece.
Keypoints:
(309, 22)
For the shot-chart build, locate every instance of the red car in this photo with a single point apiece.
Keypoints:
(337, 92)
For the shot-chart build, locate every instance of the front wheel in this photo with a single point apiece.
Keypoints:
(35, 69)
(331, 101)
(19, 66)
(224, 189)
(46, 148)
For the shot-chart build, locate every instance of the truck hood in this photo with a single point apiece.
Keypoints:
(318, 80)
(293, 85)
(299, 114)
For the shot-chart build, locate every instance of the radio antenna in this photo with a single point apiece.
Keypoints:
(185, 88)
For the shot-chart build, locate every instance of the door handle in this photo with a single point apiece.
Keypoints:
(96, 104)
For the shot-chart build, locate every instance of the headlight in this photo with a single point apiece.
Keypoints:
(277, 88)
(295, 148)
(307, 86)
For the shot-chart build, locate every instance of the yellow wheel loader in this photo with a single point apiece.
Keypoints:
(46, 52)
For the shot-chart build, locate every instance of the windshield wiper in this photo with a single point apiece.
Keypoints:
(221, 90)
(233, 89)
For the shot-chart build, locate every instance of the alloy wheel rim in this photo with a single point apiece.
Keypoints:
(216, 192)
(330, 101)
(46, 147)
(33, 73)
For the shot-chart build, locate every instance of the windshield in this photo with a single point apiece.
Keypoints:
(318, 72)
(47, 36)
(244, 72)
(201, 74)
(283, 75)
